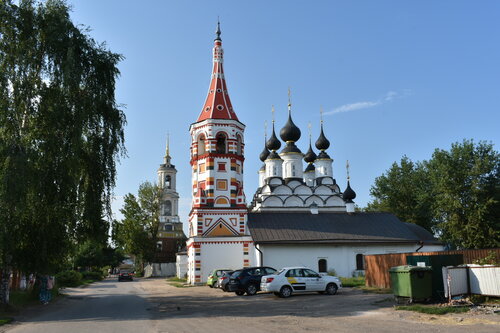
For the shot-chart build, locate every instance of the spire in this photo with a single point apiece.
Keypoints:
(217, 32)
(273, 143)
(290, 132)
(218, 104)
(310, 155)
(167, 150)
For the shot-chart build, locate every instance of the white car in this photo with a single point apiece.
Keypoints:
(299, 279)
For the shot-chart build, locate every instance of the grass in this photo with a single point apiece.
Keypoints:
(353, 281)
(435, 310)
(375, 290)
(4, 321)
(176, 282)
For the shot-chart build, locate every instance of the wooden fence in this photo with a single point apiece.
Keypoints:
(377, 265)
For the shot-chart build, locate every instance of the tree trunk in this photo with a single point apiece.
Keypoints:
(4, 287)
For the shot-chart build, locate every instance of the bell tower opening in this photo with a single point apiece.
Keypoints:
(221, 145)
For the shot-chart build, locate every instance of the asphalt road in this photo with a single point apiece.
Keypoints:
(107, 306)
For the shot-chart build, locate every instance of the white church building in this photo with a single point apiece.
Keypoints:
(297, 216)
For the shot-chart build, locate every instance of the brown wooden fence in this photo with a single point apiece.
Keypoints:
(377, 265)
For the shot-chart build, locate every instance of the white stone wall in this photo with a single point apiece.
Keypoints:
(218, 253)
(181, 265)
(340, 258)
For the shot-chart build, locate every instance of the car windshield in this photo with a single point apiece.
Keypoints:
(236, 274)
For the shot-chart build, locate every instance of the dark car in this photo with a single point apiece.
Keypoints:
(247, 280)
(125, 275)
(224, 280)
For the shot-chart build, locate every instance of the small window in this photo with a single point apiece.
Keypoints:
(201, 145)
(167, 208)
(322, 267)
(222, 167)
(168, 179)
(360, 262)
(169, 227)
(220, 107)
(220, 146)
(238, 145)
(201, 167)
(159, 246)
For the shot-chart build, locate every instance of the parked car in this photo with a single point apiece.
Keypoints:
(299, 279)
(213, 277)
(247, 280)
(125, 275)
(224, 279)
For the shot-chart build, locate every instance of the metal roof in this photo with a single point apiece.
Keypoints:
(334, 227)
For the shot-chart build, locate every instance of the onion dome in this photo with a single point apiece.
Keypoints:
(323, 156)
(273, 156)
(310, 168)
(273, 143)
(290, 132)
(264, 154)
(322, 143)
(291, 148)
(348, 194)
(310, 156)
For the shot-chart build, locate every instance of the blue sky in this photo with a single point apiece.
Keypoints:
(393, 77)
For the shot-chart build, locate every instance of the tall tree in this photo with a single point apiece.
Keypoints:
(466, 183)
(456, 194)
(61, 132)
(405, 191)
(137, 233)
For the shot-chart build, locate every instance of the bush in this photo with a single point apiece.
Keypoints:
(94, 276)
(332, 272)
(69, 279)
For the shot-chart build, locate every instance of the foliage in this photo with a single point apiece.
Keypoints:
(178, 283)
(405, 191)
(375, 290)
(332, 272)
(94, 276)
(69, 279)
(61, 132)
(137, 233)
(353, 281)
(4, 321)
(455, 194)
(93, 255)
(490, 259)
(435, 310)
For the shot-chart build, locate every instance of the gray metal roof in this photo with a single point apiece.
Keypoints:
(332, 227)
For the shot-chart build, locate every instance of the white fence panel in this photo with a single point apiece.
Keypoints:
(457, 279)
(485, 280)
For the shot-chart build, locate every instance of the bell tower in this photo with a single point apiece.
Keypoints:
(217, 221)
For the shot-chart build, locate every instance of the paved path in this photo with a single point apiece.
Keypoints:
(106, 306)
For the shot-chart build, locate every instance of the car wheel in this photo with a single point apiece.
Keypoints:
(239, 293)
(251, 289)
(285, 292)
(331, 289)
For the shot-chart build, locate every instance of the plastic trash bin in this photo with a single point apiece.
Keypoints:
(411, 282)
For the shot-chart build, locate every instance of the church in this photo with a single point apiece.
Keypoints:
(297, 216)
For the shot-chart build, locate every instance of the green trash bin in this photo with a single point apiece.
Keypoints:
(414, 283)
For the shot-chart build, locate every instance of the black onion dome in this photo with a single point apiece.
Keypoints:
(310, 156)
(273, 143)
(290, 132)
(323, 155)
(348, 194)
(322, 143)
(291, 148)
(273, 156)
(264, 154)
(310, 168)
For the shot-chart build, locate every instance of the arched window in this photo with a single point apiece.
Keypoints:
(167, 208)
(168, 181)
(238, 145)
(360, 262)
(220, 146)
(201, 145)
(322, 266)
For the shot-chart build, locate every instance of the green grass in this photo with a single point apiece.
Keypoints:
(435, 310)
(4, 321)
(176, 282)
(353, 281)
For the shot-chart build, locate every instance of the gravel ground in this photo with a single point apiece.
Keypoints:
(202, 309)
